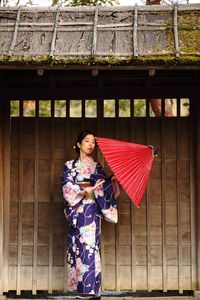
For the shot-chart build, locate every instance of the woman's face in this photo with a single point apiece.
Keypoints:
(87, 145)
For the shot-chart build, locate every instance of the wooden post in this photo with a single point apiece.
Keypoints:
(100, 126)
(35, 238)
(132, 209)
(117, 226)
(148, 207)
(50, 282)
(6, 190)
(67, 133)
(21, 179)
(178, 195)
(163, 197)
(197, 143)
(1, 198)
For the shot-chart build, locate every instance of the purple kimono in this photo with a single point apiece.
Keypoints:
(84, 215)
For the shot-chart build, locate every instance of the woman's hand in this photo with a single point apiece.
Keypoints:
(83, 192)
(115, 185)
(88, 189)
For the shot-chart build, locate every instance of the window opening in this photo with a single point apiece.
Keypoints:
(44, 108)
(171, 107)
(29, 108)
(155, 107)
(124, 108)
(109, 108)
(90, 108)
(75, 108)
(14, 108)
(60, 108)
(185, 107)
(139, 107)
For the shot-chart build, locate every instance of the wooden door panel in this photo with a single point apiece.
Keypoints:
(151, 246)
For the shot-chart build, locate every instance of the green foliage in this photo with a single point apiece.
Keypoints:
(60, 108)
(109, 108)
(91, 108)
(44, 108)
(139, 107)
(86, 2)
(75, 108)
(124, 108)
(29, 107)
(14, 108)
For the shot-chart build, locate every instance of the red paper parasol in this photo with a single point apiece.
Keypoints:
(131, 164)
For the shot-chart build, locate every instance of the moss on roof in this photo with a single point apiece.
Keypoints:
(116, 36)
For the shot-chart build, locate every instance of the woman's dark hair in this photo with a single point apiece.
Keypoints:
(80, 137)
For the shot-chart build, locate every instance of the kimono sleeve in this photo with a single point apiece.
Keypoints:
(71, 190)
(105, 197)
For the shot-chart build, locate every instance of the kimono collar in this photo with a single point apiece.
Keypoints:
(87, 165)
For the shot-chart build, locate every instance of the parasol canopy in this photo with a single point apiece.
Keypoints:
(131, 164)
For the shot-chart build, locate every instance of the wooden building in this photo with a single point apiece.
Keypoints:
(104, 57)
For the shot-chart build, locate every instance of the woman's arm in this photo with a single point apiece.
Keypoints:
(105, 197)
(72, 192)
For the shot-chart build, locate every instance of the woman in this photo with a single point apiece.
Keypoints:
(88, 197)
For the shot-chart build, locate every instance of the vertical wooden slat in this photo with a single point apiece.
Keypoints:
(193, 198)
(67, 143)
(50, 282)
(36, 175)
(197, 181)
(117, 226)
(1, 195)
(148, 210)
(19, 246)
(83, 115)
(178, 193)
(100, 130)
(132, 210)
(163, 198)
(6, 192)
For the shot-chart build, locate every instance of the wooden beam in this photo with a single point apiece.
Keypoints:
(129, 67)
(108, 92)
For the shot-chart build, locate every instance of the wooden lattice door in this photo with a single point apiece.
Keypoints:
(152, 247)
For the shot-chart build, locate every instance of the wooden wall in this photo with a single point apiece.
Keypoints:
(152, 247)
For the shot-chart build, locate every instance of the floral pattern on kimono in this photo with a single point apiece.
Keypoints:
(84, 215)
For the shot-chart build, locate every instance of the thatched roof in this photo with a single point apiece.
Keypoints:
(131, 35)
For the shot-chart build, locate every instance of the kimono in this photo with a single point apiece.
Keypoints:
(84, 215)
